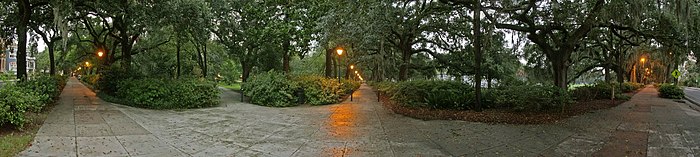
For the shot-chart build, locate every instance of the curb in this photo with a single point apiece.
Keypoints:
(693, 104)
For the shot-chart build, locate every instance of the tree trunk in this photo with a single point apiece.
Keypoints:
(24, 14)
(329, 68)
(286, 57)
(488, 81)
(126, 46)
(52, 62)
(335, 68)
(406, 59)
(204, 63)
(620, 72)
(477, 53)
(560, 70)
(606, 72)
(178, 45)
(246, 70)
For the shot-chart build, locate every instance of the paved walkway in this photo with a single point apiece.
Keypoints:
(87, 126)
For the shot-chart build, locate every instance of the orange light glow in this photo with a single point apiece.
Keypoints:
(352, 67)
(339, 51)
(100, 53)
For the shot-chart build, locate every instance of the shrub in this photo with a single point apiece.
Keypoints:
(7, 76)
(91, 80)
(587, 93)
(602, 90)
(533, 98)
(168, 93)
(270, 89)
(319, 90)
(670, 91)
(432, 94)
(631, 86)
(347, 86)
(48, 88)
(14, 102)
(111, 77)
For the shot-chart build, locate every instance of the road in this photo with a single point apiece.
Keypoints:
(692, 94)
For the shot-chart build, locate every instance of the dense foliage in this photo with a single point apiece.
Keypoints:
(432, 94)
(532, 98)
(456, 95)
(28, 96)
(90, 79)
(318, 90)
(277, 90)
(168, 93)
(603, 90)
(48, 87)
(14, 102)
(270, 89)
(671, 91)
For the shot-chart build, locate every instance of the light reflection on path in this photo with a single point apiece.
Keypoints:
(344, 123)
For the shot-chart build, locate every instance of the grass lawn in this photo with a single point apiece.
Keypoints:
(13, 141)
(574, 86)
(234, 86)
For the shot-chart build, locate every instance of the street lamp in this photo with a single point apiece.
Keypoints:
(100, 54)
(340, 53)
(352, 66)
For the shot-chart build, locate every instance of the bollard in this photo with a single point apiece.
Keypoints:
(377, 96)
(351, 95)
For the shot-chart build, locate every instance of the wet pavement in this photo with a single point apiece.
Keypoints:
(83, 125)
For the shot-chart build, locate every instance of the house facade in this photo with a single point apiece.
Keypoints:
(9, 61)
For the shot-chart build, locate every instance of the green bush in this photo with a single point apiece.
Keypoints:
(110, 78)
(691, 83)
(48, 88)
(602, 90)
(168, 93)
(14, 102)
(631, 86)
(270, 89)
(91, 80)
(670, 91)
(347, 86)
(431, 94)
(319, 90)
(533, 98)
(7, 76)
(587, 93)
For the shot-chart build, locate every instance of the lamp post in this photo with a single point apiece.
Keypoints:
(87, 68)
(337, 72)
(643, 60)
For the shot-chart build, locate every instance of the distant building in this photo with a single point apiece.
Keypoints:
(9, 61)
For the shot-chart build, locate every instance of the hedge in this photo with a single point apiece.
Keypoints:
(28, 96)
(277, 90)
(156, 93)
(459, 96)
(671, 91)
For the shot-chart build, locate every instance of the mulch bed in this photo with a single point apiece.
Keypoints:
(501, 115)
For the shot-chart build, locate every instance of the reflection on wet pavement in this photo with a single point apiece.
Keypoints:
(363, 127)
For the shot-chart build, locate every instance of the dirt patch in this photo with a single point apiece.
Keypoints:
(502, 115)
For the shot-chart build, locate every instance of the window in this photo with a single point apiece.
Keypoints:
(13, 66)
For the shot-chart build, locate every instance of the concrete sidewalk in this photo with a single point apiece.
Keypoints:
(85, 126)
